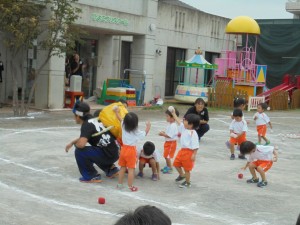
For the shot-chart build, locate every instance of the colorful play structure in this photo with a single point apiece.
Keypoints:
(237, 67)
(192, 87)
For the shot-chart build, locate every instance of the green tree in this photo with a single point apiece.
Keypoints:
(24, 21)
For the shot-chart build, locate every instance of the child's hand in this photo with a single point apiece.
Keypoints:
(116, 109)
(193, 158)
(275, 159)
(244, 168)
(171, 109)
(233, 135)
(162, 133)
(255, 116)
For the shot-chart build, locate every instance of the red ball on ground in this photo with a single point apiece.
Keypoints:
(101, 200)
(240, 176)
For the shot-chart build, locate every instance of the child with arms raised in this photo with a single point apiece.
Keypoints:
(185, 158)
(128, 155)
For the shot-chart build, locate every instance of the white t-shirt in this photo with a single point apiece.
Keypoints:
(189, 138)
(172, 132)
(131, 138)
(262, 152)
(238, 127)
(141, 154)
(262, 119)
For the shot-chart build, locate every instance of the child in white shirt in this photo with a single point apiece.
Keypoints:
(185, 158)
(147, 154)
(261, 159)
(261, 120)
(171, 136)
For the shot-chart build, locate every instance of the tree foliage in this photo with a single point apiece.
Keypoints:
(49, 21)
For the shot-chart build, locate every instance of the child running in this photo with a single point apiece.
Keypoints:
(261, 120)
(238, 128)
(171, 136)
(128, 155)
(148, 155)
(261, 159)
(185, 158)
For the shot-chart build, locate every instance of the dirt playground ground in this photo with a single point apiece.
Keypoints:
(39, 180)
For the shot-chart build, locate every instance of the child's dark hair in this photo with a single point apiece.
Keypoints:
(170, 114)
(238, 102)
(147, 214)
(123, 101)
(148, 148)
(82, 110)
(263, 105)
(237, 112)
(246, 147)
(130, 122)
(199, 101)
(97, 112)
(193, 119)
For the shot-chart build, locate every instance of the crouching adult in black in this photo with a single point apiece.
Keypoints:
(92, 148)
(200, 109)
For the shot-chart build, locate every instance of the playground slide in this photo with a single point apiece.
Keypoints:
(282, 87)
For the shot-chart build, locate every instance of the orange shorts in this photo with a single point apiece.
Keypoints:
(145, 161)
(183, 159)
(169, 149)
(238, 140)
(261, 130)
(264, 164)
(128, 156)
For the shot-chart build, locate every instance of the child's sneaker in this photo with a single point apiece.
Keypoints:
(96, 179)
(120, 186)
(133, 188)
(241, 156)
(167, 170)
(179, 178)
(268, 142)
(185, 185)
(232, 157)
(140, 175)
(154, 177)
(262, 183)
(113, 172)
(257, 143)
(164, 169)
(227, 143)
(252, 181)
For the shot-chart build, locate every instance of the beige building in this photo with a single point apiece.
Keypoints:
(144, 38)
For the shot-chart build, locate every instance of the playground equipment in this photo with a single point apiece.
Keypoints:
(116, 89)
(289, 84)
(238, 65)
(192, 89)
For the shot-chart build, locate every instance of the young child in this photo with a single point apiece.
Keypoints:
(238, 129)
(261, 120)
(128, 155)
(148, 155)
(171, 136)
(261, 159)
(239, 103)
(185, 158)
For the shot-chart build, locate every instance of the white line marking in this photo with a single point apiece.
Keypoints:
(31, 168)
(55, 202)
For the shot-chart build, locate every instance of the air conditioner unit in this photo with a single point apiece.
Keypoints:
(75, 83)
